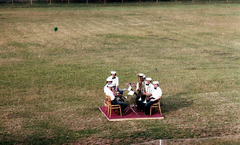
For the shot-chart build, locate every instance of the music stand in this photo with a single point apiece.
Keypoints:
(131, 106)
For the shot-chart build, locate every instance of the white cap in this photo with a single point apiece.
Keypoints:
(144, 76)
(109, 79)
(155, 82)
(113, 72)
(140, 74)
(149, 79)
(110, 85)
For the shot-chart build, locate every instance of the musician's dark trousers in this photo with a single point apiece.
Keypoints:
(140, 105)
(147, 106)
(119, 90)
(122, 104)
(121, 99)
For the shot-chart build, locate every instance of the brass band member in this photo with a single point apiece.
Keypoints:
(143, 82)
(147, 92)
(115, 82)
(109, 92)
(140, 87)
(156, 95)
(148, 87)
(108, 81)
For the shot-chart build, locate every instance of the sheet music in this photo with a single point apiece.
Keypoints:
(131, 93)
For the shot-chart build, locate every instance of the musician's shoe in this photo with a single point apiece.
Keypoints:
(117, 112)
(146, 114)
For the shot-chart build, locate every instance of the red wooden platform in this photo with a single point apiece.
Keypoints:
(130, 115)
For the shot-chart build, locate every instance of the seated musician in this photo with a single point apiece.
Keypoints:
(137, 86)
(148, 87)
(108, 81)
(109, 92)
(115, 82)
(138, 90)
(156, 95)
(147, 92)
(116, 94)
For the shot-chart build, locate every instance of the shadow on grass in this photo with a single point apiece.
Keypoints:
(175, 102)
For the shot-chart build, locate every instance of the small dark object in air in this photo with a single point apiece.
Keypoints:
(55, 29)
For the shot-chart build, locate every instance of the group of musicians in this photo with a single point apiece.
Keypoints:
(146, 92)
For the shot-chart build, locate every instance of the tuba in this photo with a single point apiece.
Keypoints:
(140, 85)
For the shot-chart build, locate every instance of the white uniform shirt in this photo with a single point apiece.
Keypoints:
(156, 93)
(149, 88)
(105, 88)
(115, 81)
(110, 93)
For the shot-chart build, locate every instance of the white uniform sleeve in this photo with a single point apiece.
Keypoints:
(160, 92)
(117, 81)
(105, 88)
(110, 93)
(157, 93)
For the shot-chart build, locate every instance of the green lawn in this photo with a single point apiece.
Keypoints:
(51, 83)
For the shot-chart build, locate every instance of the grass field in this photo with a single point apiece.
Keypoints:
(51, 83)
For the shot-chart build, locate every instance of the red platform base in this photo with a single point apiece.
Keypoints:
(130, 115)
